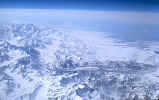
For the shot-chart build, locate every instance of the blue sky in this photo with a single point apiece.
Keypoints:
(138, 5)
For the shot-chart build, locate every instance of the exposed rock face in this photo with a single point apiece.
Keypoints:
(42, 63)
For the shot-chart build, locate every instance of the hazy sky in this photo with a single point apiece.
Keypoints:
(138, 5)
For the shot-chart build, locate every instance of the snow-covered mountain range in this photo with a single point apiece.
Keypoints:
(45, 63)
